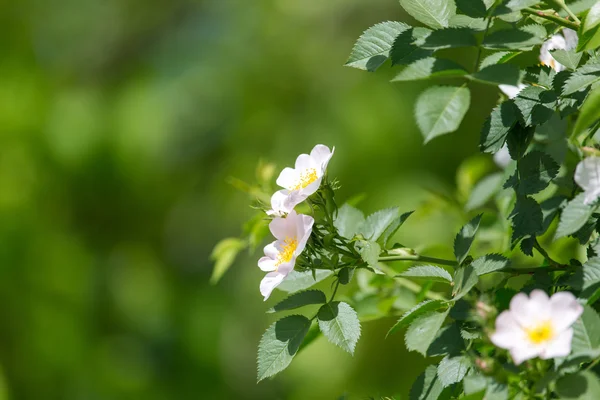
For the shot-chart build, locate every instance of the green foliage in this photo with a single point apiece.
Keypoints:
(377, 223)
(440, 110)
(583, 77)
(583, 385)
(536, 105)
(484, 190)
(490, 263)
(586, 333)
(340, 325)
(587, 278)
(568, 58)
(499, 74)
(348, 221)
(574, 216)
(523, 38)
(464, 280)
(453, 369)
(423, 331)
(297, 280)
(224, 255)
(464, 239)
(433, 13)
(527, 218)
(496, 127)
(536, 170)
(408, 317)
(428, 68)
(369, 251)
(590, 111)
(427, 386)
(373, 47)
(300, 299)
(429, 272)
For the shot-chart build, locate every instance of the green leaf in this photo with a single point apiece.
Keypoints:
(300, 299)
(583, 385)
(523, 38)
(526, 218)
(348, 221)
(224, 254)
(573, 216)
(433, 13)
(279, 344)
(369, 251)
(499, 74)
(490, 263)
(440, 110)
(463, 21)
(447, 341)
(296, 281)
(376, 223)
(429, 272)
(453, 369)
(550, 208)
(464, 280)
(497, 126)
(536, 104)
(590, 112)
(518, 140)
(447, 38)
(517, 5)
(583, 77)
(430, 67)
(340, 325)
(590, 40)
(568, 58)
(405, 51)
(536, 171)
(464, 239)
(592, 18)
(423, 331)
(586, 332)
(499, 57)
(373, 46)
(427, 386)
(587, 278)
(391, 230)
(484, 190)
(415, 312)
(472, 8)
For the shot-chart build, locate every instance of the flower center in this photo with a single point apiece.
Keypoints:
(540, 333)
(306, 178)
(286, 254)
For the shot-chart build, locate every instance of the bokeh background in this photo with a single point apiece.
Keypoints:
(120, 122)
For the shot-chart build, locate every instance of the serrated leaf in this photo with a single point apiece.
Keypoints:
(369, 251)
(378, 222)
(300, 299)
(517, 5)
(497, 126)
(568, 58)
(440, 110)
(584, 385)
(573, 216)
(523, 38)
(499, 57)
(464, 21)
(590, 112)
(429, 272)
(472, 8)
(490, 263)
(517, 141)
(393, 228)
(586, 332)
(430, 67)
(592, 18)
(296, 280)
(464, 280)
(536, 171)
(348, 221)
(340, 325)
(499, 74)
(587, 278)
(423, 331)
(484, 190)
(373, 46)
(405, 51)
(453, 369)
(526, 218)
(447, 38)
(280, 343)
(536, 105)
(583, 77)
(433, 13)
(415, 312)
(224, 254)
(427, 386)
(464, 239)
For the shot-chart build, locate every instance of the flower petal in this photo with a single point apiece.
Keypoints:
(587, 174)
(270, 282)
(321, 155)
(288, 178)
(304, 162)
(560, 346)
(564, 310)
(571, 38)
(279, 203)
(283, 228)
(522, 353)
(304, 229)
(530, 310)
(267, 264)
(508, 331)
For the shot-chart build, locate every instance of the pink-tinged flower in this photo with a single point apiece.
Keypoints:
(537, 326)
(587, 175)
(292, 233)
(301, 181)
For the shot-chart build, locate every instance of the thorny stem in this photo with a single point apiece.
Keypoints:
(563, 5)
(554, 18)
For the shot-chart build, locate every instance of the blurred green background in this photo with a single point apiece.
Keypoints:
(121, 121)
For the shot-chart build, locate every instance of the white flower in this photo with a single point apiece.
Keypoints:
(587, 175)
(502, 157)
(512, 91)
(537, 325)
(301, 181)
(292, 233)
(566, 41)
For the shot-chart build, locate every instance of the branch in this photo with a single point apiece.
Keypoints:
(552, 17)
(418, 257)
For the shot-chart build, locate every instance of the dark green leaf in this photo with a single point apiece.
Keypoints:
(583, 385)
(583, 77)
(453, 369)
(423, 330)
(464, 280)
(573, 216)
(372, 48)
(490, 263)
(497, 126)
(499, 57)
(340, 325)
(405, 51)
(518, 140)
(472, 8)
(536, 171)
(517, 5)
(440, 110)
(427, 386)
(415, 312)
(447, 38)
(430, 67)
(433, 13)
(586, 332)
(345, 275)
(536, 104)
(526, 218)
(587, 278)
(523, 38)
(300, 299)
(499, 74)
(464, 21)
(590, 112)
(464, 239)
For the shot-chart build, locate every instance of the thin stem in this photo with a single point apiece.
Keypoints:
(418, 257)
(552, 17)
(337, 284)
(410, 285)
(480, 47)
(563, 5)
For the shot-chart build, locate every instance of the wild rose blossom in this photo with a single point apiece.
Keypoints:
(537, 326)
(587, 175)
(292, 233)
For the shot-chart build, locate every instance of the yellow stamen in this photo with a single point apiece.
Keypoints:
(540, 333)
(286, 254)
(306, 178)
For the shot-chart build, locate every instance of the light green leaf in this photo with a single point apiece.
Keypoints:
(568, 58)
(369, 251)
(464, 21)
(517, 5)
(393, 228)
(378, 222)
(430, 67)
(583, 385)
(587, 278)
(296, 281)
(573, 216)
(526, 217)
(440, 110)
(423, 331)
(300, 299)
(499, 74)
(490, 263)
(348, 221)
(589, 113)
(523, 38)
(340, 325)
(447, 38)
(586, 332)
(592, 18)
(453, 369)
(415, 312)
(536, 170)
(496, 127)
(484, 190)
(429, 272)
(536, 104)
(279, 344)
(499, 57)
(433, 13)
(224, 255)
(427, 386)
(583, 77)
(405, 51)
(373, 47)
(464, 239)
(464, 280)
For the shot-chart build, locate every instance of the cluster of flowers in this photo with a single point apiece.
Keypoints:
(291, 230)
